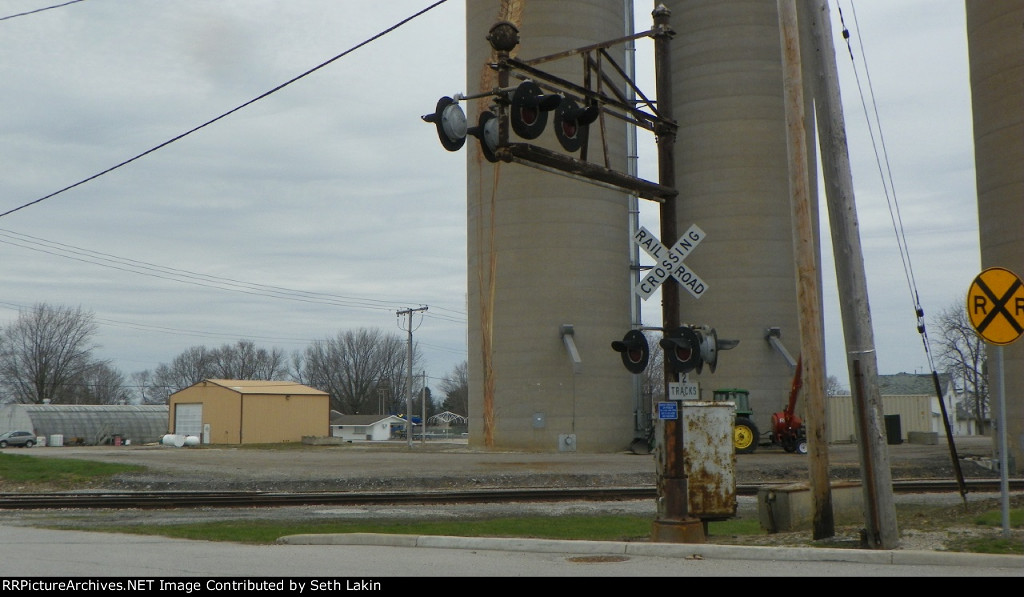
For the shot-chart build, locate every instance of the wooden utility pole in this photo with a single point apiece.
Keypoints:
(408, 390)
(423, 408)
(805, 254)
(876, 477)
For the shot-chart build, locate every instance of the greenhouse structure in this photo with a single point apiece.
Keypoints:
(87, 424)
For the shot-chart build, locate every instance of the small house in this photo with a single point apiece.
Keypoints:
(366, 427)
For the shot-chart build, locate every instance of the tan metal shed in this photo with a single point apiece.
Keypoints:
(233, 411)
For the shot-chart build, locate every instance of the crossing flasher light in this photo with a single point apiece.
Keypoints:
(487, 131)
(635, 351)
(528, 113)
(710, 345)
(682, 349)
(572, 122)
(450, 121)
(453, 128)
(689, 348)
(526, 106)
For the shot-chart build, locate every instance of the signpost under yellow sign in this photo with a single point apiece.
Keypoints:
(995, 305)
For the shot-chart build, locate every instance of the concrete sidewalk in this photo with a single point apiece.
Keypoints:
(33, 553)
(670, 550)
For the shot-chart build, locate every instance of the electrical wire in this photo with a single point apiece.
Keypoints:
(904, 251)
(30, 12)
(213, 334)
(168, 330)
(228, 113)
(187, 277)
(184, 276)
(886, 177)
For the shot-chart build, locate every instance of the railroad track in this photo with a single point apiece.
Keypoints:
(232, 499)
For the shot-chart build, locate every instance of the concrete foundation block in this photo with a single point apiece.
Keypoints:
(927, 438)
(789, 508)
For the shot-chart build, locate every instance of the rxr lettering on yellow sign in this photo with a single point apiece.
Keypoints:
(995, 305)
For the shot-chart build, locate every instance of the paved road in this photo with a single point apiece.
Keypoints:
(33, 552)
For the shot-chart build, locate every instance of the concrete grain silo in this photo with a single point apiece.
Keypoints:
(548, 258)
(732, 175)
(996, 52)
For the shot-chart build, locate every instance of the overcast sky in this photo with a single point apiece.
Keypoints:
(328, 205)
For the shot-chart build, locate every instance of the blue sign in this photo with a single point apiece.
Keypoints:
(668, 410)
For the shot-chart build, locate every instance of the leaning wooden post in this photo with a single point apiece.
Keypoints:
(812, 342)
(876, 476)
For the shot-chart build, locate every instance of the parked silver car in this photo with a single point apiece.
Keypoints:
(22, 439)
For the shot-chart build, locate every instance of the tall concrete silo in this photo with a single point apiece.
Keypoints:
(732, 175)
(548, 259)
(996, 49)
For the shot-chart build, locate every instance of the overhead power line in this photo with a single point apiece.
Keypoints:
(885, 173)
(22, 14)
(187, 277)
(228, 113)
(197, 279)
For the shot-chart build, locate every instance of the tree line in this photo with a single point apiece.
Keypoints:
(48, 355)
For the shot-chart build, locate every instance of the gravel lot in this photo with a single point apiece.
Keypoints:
(396, 465)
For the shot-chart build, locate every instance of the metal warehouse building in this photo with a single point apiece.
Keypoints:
(87, 424)
(232, 411)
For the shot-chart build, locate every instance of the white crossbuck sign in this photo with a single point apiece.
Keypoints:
(669, 262)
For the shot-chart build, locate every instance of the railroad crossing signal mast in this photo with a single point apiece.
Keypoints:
(524, 108)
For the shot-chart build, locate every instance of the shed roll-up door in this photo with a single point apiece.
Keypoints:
(188, 419)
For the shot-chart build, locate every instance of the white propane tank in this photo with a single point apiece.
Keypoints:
(191, 440)
(172, 439)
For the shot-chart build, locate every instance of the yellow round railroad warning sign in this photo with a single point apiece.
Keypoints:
(995, 305)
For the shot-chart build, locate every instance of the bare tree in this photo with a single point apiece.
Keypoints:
(833, 388)
(244, 360)
(652, 384)
(144, 390)
(44, 352)
(961, 353)
(354, 366)
(99, 384)
(455, 387)
(188, 368)
(425, 401)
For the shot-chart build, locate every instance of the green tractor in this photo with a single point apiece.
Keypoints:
(787, 429)
(745, 436)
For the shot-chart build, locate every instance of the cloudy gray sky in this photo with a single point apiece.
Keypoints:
(915, 82)
(328, 205)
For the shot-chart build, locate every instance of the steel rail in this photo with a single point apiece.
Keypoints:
(229, 499)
